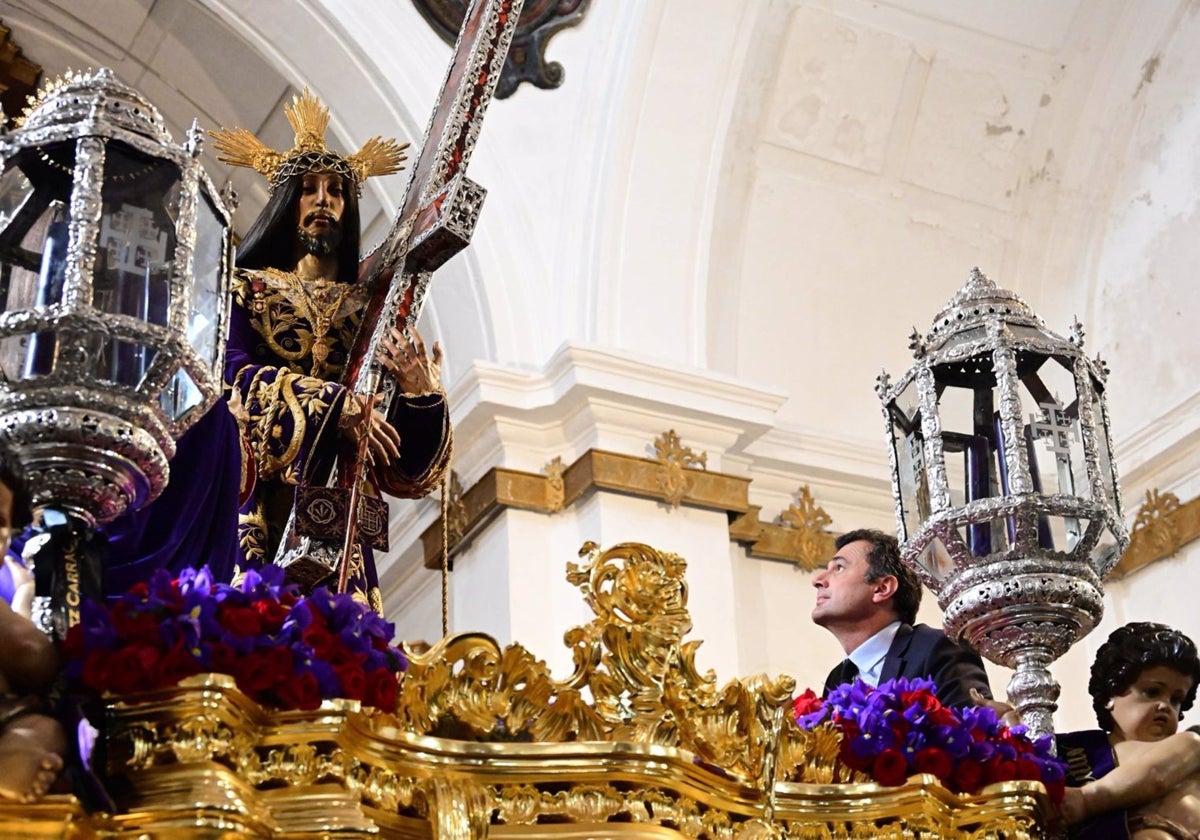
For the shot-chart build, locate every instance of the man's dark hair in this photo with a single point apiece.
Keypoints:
(271, 240)
(883, 559)
(12, 475)
(1129, 651)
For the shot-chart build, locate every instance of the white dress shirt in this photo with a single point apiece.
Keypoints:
(870, 654)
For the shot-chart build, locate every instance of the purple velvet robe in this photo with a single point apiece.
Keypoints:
(286, 352)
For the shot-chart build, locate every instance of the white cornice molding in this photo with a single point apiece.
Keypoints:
(1163, 453)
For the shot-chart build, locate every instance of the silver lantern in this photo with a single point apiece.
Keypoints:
(1005, 486)
(115, 255)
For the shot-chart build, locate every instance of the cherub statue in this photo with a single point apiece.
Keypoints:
(31, 741)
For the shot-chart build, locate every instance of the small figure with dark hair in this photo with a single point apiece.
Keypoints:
(1143, 679)
(867, 598)
(31, 743)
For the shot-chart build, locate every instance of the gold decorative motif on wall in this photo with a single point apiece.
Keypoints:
(674, 459)
(799, 537)
(596, 469)
(556, 493)
(1163, 526)
(635, 743)
(457, 520)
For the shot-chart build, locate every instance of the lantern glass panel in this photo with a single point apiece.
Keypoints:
(908, 443)
(1104, 556)
(35, 196)
(1108, 476)
(136, 251)
(15, 190)
(207, 260)
(1049, 423)
(179, 395)
(973, 448)
(135, 255)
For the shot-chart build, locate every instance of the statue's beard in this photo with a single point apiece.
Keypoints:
(321, 244)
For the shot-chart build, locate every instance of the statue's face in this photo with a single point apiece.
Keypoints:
(6, 506)
(1150, 709)
(319, 213)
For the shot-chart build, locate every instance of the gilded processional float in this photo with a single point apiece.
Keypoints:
(1008, 509)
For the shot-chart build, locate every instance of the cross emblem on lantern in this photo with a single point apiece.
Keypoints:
(1056, 426)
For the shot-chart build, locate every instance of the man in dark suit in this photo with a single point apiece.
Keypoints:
(868, 599)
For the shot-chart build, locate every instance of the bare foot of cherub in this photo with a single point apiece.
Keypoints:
(27, 774)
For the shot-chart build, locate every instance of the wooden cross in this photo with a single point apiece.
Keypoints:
(435, 221)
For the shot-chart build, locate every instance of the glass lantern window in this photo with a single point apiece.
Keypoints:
(180, 395)
(135, 253)
(1108, 476)
(207, 263)
(973, 447)
(35, 195)
(1050, 431)
(908, 444)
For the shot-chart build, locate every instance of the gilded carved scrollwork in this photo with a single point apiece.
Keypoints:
(673, 458)
(635, 678)
(636, 741)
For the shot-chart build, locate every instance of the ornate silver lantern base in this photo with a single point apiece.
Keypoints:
(89, 464)
(1024, 614)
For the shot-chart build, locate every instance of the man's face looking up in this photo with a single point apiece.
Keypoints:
(322, 202)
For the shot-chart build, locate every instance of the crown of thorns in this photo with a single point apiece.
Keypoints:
(310, 120)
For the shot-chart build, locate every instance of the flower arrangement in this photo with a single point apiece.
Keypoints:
(283, 650)
(901, 728)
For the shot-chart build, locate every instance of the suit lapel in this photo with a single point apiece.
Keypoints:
(893, 663)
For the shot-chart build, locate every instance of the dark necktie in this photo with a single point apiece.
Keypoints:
(844, 673)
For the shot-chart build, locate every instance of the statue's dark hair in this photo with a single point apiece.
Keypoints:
(271, 240)
(1128, 652)
(12, 475)
(883, 559)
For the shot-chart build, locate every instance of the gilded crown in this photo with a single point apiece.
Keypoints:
(309, 119)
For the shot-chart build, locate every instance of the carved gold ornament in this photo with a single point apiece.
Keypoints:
(456, 512)
(807, 521)
(556, 494)
(673, 458)
(635, 743)
(309, 119)
(1163, 525)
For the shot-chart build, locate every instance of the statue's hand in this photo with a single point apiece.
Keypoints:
(362, 419)
(416, 373)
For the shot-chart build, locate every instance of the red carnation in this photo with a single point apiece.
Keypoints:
(240, 621)
(807, 703)
(300, 691)
(967, 775)
(263, 669)
(222, 659)
(354, 683)
(890, 768)
(936, 761)
(273, 614)
(1026, 769)
(131, 669)
(1000, 770)
(319, 639)
(382, 689)
(135, 625)
(177, 664)
(95, 669)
